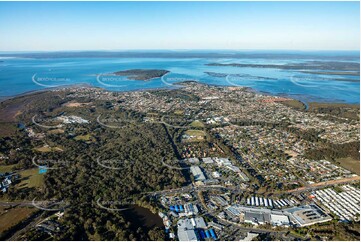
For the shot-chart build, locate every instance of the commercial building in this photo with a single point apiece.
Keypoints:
(199, 222)
(307, 215)
(208, 160)
(280, 220)
(223, 161)
(190, 209)
(193, 160)
(197, 173)
(186, 228)
(216, 174)
(233, 211)
(256, 217)
(187, 235)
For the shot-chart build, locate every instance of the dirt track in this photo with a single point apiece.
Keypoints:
(327, 183)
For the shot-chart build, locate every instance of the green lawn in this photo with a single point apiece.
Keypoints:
(6, 168)
(86, 137)
(31, 178)
(193, 132)
(48, 149)
(199, 135)
(178, 112)
(13, 216)
(350, 164)
(197, 124)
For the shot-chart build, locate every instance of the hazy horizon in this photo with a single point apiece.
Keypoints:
(129, 26)
(177, 50)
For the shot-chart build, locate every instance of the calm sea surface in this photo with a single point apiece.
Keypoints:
(20, 75)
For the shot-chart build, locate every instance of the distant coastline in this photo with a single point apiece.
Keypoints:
(268, 54)
(149, 74)
(177, 85)
(29, 93)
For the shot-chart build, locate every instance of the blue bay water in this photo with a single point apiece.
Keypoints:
(20, 75)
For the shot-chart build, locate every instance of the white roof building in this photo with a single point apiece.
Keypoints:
(280, 220)
(216, 174)
(186, 228)
(193, 160)
(208, 160)
(197, 173)
(187, 235)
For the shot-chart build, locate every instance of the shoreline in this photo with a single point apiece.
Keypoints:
(177, 85)
(29, 93)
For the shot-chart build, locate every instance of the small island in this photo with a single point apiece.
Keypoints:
(141, 74)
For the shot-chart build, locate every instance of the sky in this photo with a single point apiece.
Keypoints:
(57, 26)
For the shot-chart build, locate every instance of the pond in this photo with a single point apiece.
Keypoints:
(143, 217)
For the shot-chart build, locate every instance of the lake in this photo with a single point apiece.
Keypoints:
(142, 217)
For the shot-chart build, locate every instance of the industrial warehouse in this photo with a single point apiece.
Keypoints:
(192, 229)
(297, 216)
